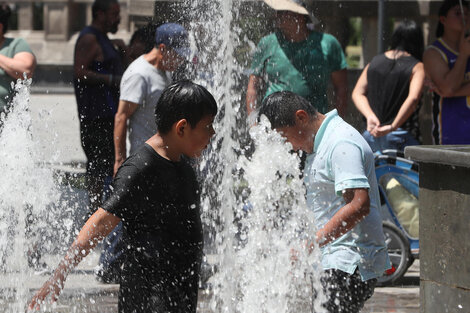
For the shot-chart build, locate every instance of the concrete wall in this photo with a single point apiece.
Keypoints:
(444, 227)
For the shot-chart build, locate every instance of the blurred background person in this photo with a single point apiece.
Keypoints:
(142, 41)
(298, 59)
(446, 63)
(389, 90)
(98, 68)
(16, 58)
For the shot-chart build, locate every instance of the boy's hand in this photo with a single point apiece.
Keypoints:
(52, 287)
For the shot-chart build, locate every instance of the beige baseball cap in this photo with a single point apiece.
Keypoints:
(296, 6)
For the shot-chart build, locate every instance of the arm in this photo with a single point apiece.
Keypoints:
(447, 81)
(357, 207)
(98, 226)
(86, 51)
(410, 103)
(359, 97)
(339, 80)
(125, 111)
(254, 84)
(22, 62)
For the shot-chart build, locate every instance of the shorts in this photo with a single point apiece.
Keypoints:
(98, 144)
(346, 293)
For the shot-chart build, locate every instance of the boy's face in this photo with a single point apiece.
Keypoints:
(301, 135)
(197, 138)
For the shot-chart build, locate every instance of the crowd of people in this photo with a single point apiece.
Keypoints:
(150, 221)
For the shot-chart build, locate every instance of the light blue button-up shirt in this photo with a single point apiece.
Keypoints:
(341, 160)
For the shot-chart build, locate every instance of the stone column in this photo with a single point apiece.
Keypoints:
(444, 227)
(25, 15)
(56, 20)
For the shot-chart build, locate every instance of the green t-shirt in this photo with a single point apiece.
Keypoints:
(10, 47)
(301, 67)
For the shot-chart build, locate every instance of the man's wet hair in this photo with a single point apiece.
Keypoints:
(101, 5)
(5, 13)
(183, 100)
(280, 108)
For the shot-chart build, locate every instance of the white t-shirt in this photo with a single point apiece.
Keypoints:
(142, 84)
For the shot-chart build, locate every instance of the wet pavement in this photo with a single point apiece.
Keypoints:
(83, 293)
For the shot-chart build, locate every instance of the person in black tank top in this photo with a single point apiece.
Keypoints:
(389, 89)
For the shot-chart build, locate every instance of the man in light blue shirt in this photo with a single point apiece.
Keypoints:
(342, 191)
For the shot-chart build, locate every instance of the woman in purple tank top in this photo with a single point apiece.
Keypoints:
(446, 64)
(389, 89)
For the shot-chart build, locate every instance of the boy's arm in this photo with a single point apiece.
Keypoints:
(98, 226)
(357, 207)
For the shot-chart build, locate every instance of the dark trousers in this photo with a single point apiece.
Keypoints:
(346, 293)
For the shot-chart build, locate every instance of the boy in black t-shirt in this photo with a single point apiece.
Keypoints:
(156, 197)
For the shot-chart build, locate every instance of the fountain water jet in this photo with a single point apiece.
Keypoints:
(253, 201)
(30, 203)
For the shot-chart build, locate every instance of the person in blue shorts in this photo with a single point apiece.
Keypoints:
(341, 189)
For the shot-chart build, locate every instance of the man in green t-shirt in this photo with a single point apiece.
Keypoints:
(16, 58)
(299, 60)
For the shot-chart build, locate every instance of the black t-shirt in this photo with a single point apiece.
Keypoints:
(388, 87)
(158, 203)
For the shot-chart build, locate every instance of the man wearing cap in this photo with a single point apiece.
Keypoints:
(297, 59)
(141, 87)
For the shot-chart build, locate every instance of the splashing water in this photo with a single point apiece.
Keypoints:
(28, 220)
(255, 205)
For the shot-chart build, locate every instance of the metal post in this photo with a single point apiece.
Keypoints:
(381, 27)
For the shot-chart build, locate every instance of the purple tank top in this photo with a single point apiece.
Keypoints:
(451, 116)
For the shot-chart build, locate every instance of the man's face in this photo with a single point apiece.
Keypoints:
(171, 60)
(113, 18)
(199, 137)
(288, 22)
(300, 137)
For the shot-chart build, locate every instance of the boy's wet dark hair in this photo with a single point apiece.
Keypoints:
(183, 100)
(408, 37)
(280, 108)
(445, 7)
(5, 13)
(101, 5)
